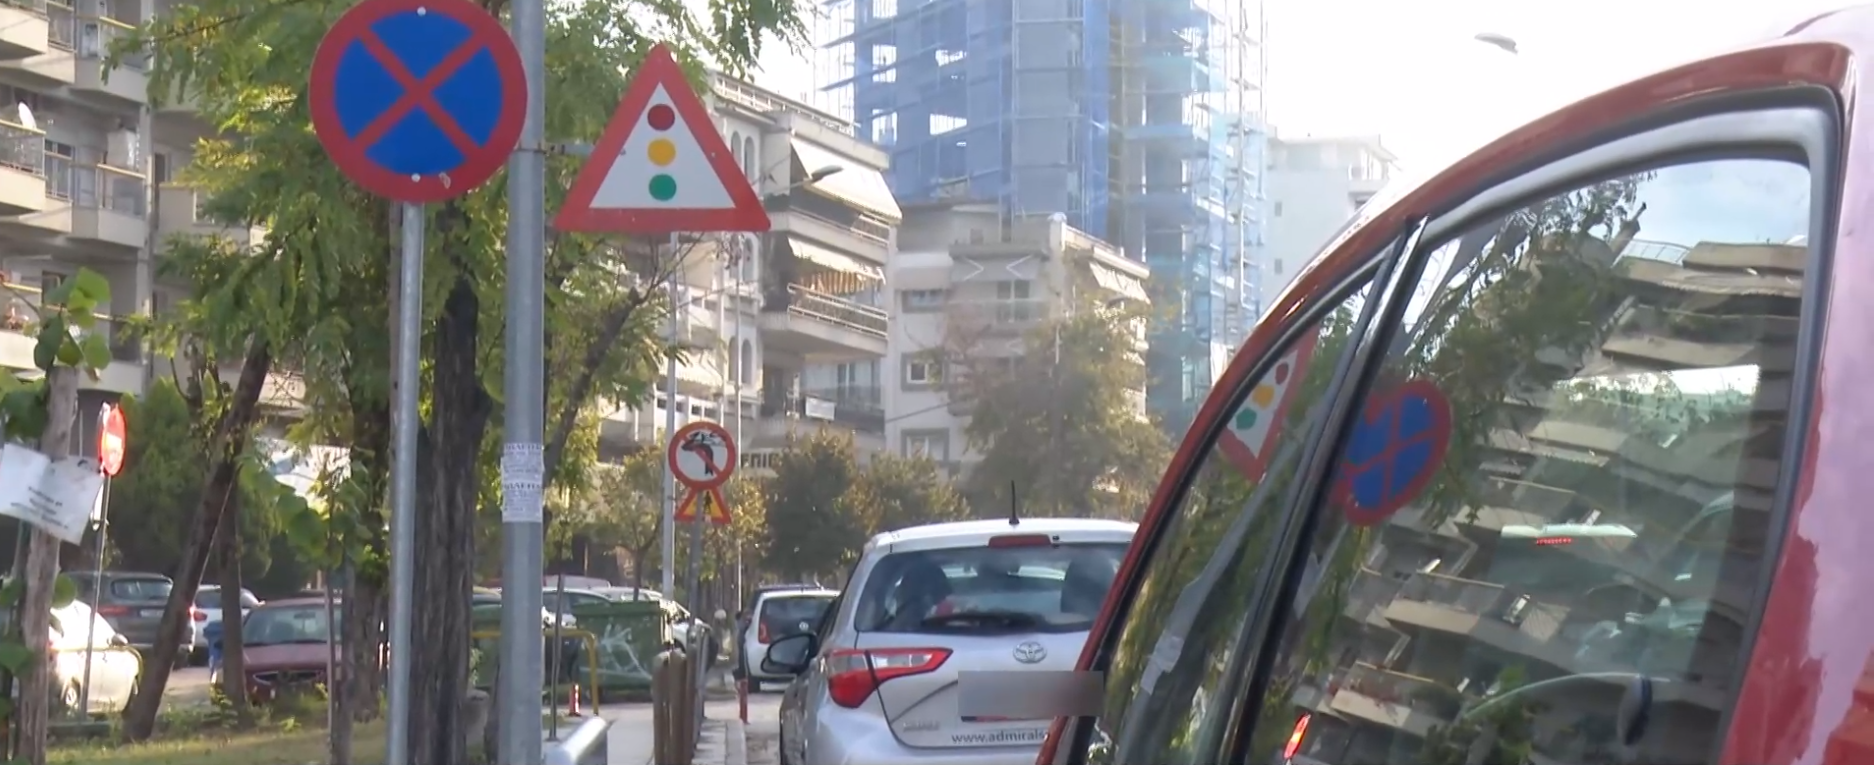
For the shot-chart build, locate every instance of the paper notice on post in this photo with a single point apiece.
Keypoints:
(55, 496)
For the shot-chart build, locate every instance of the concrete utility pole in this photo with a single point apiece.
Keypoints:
(523, 468)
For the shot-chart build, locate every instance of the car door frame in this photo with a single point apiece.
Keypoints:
(1561, 153)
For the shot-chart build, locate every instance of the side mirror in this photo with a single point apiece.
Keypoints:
(118, 641)
(789, 655)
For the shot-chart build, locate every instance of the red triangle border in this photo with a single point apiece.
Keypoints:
(660, 68)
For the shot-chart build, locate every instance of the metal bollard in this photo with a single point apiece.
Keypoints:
(664, 703)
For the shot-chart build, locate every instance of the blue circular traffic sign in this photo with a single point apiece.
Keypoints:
(418, 100)
(1397, 447)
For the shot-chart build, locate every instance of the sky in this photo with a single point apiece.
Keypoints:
(1413, 73)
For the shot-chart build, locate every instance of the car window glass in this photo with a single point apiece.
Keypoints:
(1556, 497)
(783, 616)
(143, 589)
(1194, 594)
(286, 625)
(207, 598)
(1045, 588)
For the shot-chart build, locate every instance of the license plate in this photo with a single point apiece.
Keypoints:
(152, 613)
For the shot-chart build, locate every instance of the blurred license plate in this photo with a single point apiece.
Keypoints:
(152, 613)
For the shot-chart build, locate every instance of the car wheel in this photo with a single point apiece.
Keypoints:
(69, 699)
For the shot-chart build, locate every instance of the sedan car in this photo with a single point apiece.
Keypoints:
(287, 645)
(778, 612)
(133, 603)
(208, 611)
(878, 681)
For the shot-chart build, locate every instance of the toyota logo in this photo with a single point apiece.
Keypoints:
(1030, 652)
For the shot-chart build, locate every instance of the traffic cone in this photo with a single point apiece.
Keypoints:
(572, 701)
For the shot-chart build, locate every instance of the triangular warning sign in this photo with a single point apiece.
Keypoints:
(713, 506)
(661, 166)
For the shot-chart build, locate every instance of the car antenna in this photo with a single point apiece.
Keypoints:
(1015, 516)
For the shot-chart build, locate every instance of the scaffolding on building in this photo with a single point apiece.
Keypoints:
(1140, 120)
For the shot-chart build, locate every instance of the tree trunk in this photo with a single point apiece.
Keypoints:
(231, 440)
(233, 663)
(339, 695)
(368, 657)
(42, 567)
(448, 487)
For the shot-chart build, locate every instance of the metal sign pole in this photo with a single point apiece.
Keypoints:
(97, 584)
(668, 571)
(403, 480)
(523, 460)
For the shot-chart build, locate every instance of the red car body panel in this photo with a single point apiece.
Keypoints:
(1807, 694)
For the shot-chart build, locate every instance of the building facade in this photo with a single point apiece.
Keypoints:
(1139, 120)
(969, 283)
(784, 329)
(1315, 186)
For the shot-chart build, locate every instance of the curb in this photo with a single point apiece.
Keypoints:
(723, 742)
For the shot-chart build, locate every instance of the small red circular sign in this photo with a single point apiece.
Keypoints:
(702, 455)
(111, 441)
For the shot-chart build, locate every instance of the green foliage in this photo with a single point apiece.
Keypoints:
(621, 507)
(1063, 422)
(815, 525)
(896, 492)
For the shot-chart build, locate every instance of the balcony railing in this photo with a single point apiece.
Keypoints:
(1418, 693)
(861, 226)
(1466, 595)
(819, 306)
(835, 405)
(22, 148)
(109, 31)
(62, 26)
(106, 188)
(20, 315)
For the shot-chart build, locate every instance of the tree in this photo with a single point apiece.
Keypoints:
(243, 62)
(896, 492)
(814, 524)
(621, 509)
(67, 341)
(1062, 422)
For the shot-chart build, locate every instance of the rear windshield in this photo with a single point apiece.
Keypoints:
(151, 589)
(1056, 588)
(210, 597)
(785, 614)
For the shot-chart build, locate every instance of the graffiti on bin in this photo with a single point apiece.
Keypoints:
(629, 635)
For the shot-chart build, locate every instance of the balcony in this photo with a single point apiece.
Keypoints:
(181, 212)
(24, 31)
(1406, 702)
(819, 220)
(129, 82)
(57, 64)
(783, 418)
(22, 169)
(19, 329)
(108, 206)
(812, 324)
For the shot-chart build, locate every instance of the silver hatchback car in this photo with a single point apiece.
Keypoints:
(877, 682)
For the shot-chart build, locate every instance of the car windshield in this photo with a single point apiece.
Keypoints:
(1046, 588)
(282, 625)
(785, 614)
(147, 589)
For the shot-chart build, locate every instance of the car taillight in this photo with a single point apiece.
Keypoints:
(197, 614)
(761, 634)
(113, 610)
(1021, 540)
(1294, 738)
(852, 675)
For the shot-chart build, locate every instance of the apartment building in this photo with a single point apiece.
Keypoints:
(85, 180)
(1315, 186)
(785, 328)
(969, 282)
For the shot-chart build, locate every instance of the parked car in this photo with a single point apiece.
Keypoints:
(775, 613)
(1574, 472)
(115, 666)
(133, 603)
(286, 645)
(876, 681)
(208, 611)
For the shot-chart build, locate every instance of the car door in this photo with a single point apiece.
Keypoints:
(1608, 337)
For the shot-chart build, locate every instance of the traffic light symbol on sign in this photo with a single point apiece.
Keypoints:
(662, 151)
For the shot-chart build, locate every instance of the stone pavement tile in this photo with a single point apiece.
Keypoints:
(763, 744)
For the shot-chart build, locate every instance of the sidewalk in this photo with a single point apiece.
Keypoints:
(723, 736)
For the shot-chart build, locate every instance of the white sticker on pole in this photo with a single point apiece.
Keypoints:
(55, 496)
(523, 475)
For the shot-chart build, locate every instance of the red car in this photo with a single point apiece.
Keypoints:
(1562, 456)
(287, 645)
